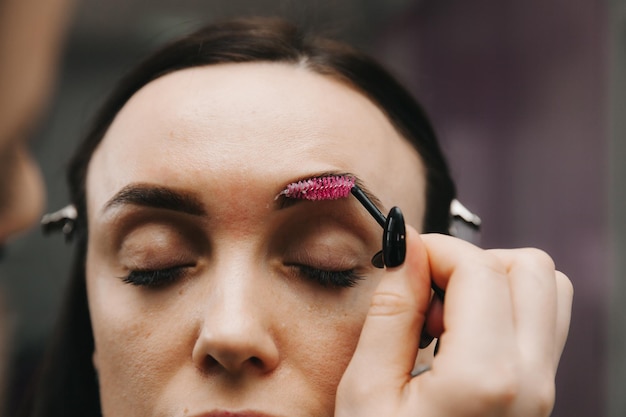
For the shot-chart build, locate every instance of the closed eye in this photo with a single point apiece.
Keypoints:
(155, 278)
(328, 278)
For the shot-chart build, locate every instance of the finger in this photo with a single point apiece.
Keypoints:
(533, 291)
(565, 294)
(389, 339)
(478, 314)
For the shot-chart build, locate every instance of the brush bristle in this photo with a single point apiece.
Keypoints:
(320, 188)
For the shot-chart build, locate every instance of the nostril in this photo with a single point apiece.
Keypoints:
(230, 362)
(209, 364)
(256, 361)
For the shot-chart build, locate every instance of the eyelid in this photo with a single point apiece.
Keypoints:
(116, 228)
(155, 252)
(324, 258)
(324, 222)
(157, 235)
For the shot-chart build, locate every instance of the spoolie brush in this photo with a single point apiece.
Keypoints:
(332, 187)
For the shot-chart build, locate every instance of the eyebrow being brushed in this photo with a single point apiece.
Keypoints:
(358, 188)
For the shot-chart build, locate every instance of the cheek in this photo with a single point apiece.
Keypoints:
(329, 352)
(136, 362)
(326, 340)
(136, 351)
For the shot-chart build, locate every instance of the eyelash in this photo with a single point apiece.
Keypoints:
(329, 279)
(162, 277)
(154, 278)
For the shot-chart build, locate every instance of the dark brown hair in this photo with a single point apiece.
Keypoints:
(69, 384)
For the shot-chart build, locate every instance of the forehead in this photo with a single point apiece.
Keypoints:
(242, 124)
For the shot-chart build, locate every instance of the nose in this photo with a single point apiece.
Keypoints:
(235, 334)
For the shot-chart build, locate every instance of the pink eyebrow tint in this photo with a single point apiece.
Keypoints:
(320, 188)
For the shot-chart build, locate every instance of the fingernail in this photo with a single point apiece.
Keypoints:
(394, 239)
(438, 291)
(377, 260)
(425, 339)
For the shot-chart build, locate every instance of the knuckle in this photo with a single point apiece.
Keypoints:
(543, 397)
(535, 259)
(487, 261)
(389, 304)
(539, 392)
(508, 388)
(498, 387)
(565, 284)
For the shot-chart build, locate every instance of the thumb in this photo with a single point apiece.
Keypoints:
(388, 345)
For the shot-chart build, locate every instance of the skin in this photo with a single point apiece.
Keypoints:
(243, 329)
(187, 348)
(29, 63)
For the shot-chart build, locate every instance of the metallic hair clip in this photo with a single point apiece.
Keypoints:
(464, 224)
(63, 220)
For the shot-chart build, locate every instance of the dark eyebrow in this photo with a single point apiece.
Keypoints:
(154, 196)
(379, 204)
(288, 202)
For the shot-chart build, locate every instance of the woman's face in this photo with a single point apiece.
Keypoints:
(207, 295)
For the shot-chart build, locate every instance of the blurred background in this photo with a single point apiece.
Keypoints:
(528, 98)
